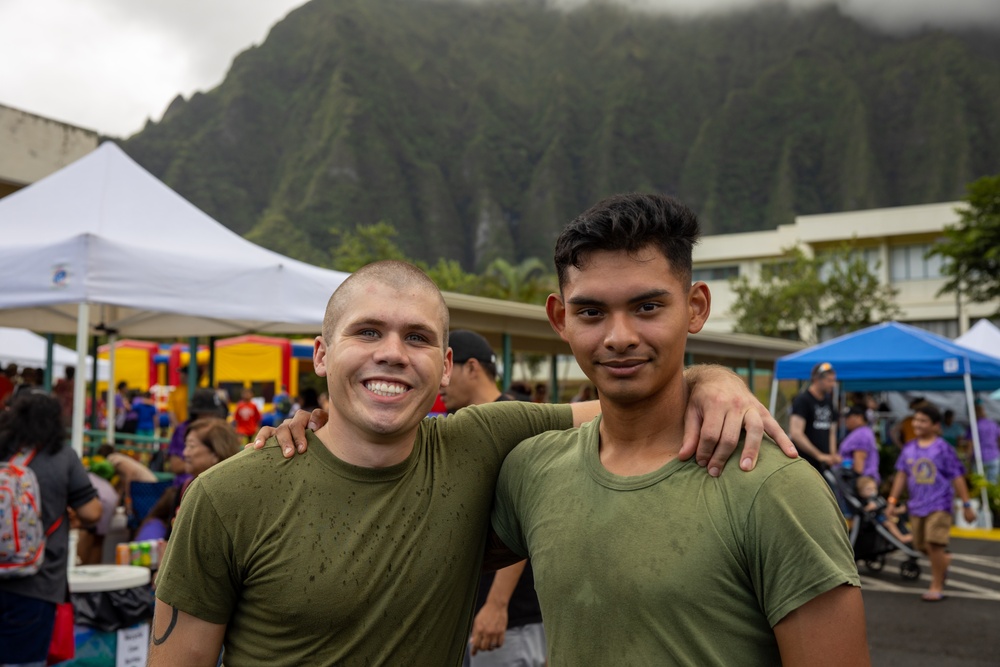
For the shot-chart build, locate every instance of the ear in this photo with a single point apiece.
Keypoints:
(699, 306)
(448, 366)
(556, 310)
(319, 356)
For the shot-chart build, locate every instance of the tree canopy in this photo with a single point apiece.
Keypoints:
(972, 247)
(802, 297)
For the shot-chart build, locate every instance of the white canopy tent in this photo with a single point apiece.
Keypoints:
(984, 337)
(24, 348)
(103, 246)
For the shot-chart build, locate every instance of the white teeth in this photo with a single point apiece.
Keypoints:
(385, 388)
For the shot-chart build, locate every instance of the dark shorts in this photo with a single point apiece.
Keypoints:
(25, 628)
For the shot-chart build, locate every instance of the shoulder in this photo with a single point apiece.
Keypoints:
(773, 467)
(551, 445)
(265, 468)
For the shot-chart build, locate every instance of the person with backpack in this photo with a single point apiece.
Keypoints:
(39, 478)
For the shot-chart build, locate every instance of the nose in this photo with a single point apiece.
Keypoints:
(391, 350)
(620, 335)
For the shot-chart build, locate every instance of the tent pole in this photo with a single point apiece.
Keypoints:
(79, 388)
(985, 517)
(50, 343)
(112, 390)
(774, 394)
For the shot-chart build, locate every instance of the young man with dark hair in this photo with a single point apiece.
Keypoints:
(813, 425)
(639, 557)
(367, 549)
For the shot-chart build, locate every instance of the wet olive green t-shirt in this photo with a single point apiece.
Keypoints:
(673, 567)
(313, 561)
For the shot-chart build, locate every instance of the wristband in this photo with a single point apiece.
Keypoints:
(966, 504)
(891, 500)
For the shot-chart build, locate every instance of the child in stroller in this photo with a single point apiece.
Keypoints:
(872, 534)
(874, 507)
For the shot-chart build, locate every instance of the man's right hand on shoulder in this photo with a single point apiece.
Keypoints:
(291, 433)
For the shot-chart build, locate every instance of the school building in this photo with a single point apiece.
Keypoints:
(893, 241)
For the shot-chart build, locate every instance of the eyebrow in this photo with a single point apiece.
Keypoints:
(585, 300)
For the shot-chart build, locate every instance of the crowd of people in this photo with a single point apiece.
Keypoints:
(932, 454)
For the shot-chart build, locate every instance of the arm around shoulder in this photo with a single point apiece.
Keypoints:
(178, 638)
(827, 631)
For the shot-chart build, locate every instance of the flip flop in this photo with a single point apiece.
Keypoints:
(932, 597)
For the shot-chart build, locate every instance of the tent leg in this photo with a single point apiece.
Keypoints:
(774, 395)
(985, 517)
(80, 386)
(50, 343)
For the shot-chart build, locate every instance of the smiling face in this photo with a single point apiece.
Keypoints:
(923, 426)
(385, 360)
(627, 317)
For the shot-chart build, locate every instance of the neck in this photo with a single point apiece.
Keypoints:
(817, 392)
(485, 393)
(926, 439)
(347, 444)
(642, 436)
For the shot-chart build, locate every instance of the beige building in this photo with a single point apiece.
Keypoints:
(32, 147)
(894, 241)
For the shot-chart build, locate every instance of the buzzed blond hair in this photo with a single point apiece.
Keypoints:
(392, 273)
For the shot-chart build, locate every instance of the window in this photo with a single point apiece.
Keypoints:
(946, 328)
(715, 273)
(908, 263)
(870, 256)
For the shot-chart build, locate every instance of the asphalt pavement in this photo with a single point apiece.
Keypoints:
(961, 630)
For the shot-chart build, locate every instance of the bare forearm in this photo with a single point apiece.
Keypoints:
(504, 584)
(961, 488)
(898, 482)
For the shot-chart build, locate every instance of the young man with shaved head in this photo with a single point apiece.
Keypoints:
(367, 548)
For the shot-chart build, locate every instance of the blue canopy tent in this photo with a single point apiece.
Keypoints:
(897, 356)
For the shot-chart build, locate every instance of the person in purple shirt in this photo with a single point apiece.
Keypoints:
(989, 433)
(932, 473)
(859, 446)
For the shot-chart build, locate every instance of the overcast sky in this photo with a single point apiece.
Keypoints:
(108, 65)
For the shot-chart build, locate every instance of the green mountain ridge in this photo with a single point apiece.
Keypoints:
(478, 130)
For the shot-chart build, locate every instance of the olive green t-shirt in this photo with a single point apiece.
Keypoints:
(313, 561)
(673, 567)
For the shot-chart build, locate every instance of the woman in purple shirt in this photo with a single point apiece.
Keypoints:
(859, 446)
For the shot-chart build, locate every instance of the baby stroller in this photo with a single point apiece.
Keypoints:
(871, 540)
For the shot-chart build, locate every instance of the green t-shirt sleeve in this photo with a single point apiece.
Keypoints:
(199, 574)
(511, 422)
(796, 541)
(505, 519)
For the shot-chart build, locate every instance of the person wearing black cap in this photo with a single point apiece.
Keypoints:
(813, 426)
(508, 621)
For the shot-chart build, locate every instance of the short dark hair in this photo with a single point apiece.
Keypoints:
(630, 222)
(930, 410)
